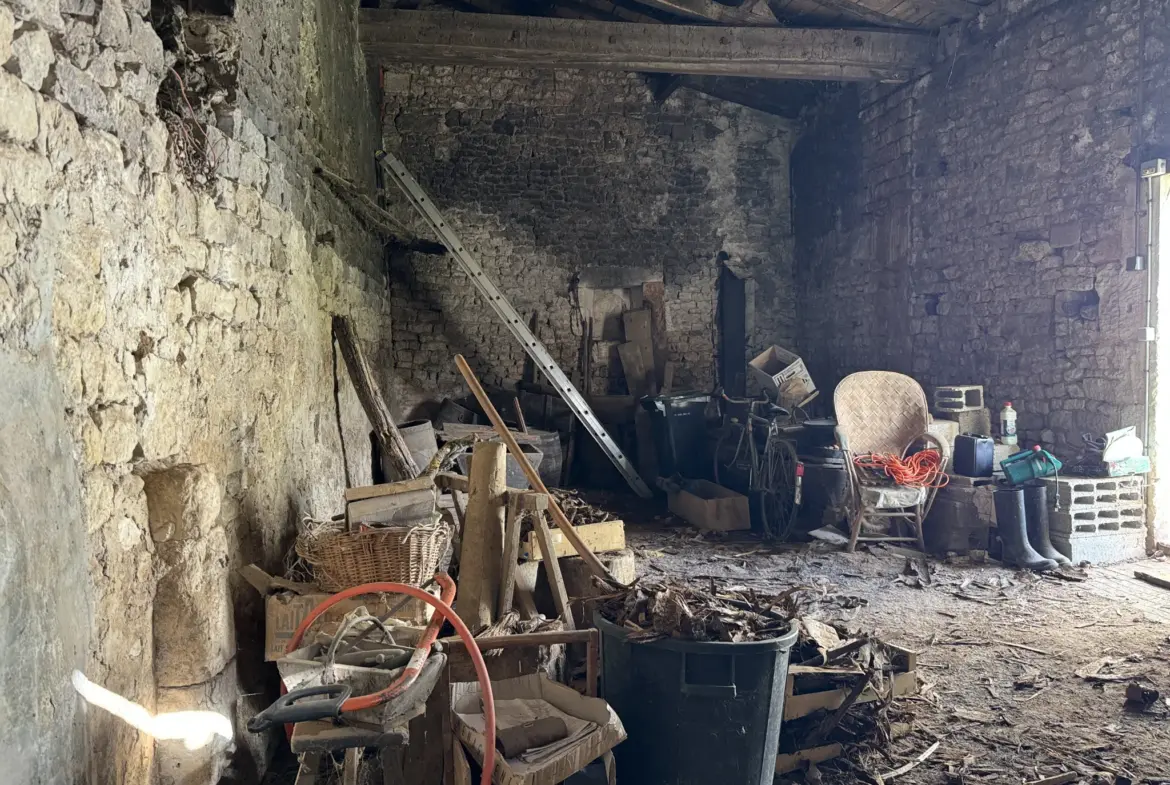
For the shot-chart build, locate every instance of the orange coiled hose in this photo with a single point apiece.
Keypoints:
(447, 587)
(920, 470)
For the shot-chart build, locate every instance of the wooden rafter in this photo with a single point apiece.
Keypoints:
(540, 42)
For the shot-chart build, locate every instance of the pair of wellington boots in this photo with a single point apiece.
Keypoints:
(1021, 515)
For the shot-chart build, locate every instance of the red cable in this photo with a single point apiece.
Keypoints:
(920, 470)
(444, 608)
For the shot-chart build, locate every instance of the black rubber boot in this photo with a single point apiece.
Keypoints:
(1009, 518)
(1036, 514)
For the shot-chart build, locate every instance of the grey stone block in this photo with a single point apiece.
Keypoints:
(32, 57)
(1102, 548)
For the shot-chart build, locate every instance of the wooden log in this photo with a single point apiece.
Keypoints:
(511, 554)
(453, 38)
(390, 441)
(552, 568)
(482, 546)
(525, 599)
(559, 517)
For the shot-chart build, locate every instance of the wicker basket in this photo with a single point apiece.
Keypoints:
(403, 554)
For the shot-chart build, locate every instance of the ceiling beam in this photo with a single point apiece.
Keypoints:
(453, 38)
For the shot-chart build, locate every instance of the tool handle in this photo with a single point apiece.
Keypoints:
(292, 707)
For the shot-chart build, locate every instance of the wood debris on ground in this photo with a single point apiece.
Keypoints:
(577, 510)
(655, 609)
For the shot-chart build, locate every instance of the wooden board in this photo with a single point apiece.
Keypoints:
(634, 366)
(600, 537)
(796, 706)
(388, 489)
(552, 567)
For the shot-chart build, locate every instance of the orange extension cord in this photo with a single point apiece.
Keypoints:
(920, 470)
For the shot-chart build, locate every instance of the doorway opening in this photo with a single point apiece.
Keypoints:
(731, 318)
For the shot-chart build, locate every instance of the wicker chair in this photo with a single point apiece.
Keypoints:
(886, 413)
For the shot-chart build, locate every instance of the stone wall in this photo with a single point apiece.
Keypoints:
(973, 226)
(149, 323)
(570, 187)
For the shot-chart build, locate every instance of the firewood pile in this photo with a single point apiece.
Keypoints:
(652, 610)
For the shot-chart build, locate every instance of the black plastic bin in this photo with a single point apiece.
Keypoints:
(679, 425)
(695, 713)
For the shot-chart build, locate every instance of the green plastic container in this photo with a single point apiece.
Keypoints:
(1030, 465)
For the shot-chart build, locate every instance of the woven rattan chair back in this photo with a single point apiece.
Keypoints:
(880, 411)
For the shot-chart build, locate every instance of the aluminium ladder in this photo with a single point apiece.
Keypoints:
(425, 207)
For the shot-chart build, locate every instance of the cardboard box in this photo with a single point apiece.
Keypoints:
(711, 507)
(286, 604)
(609, 733)
(783, 374)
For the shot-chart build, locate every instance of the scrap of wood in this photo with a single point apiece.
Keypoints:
(353, 762)
(390, 441)
(1057, 779)
(794, 761)
(599, 537)
(833, 720)
(562, 522)
(552, 568)
(380, 219)
(1149, 577)
(520, 423)
(796, 706)
(898, 772)
(307, 768)
(511, 551)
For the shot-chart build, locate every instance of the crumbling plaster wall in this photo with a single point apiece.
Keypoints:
(973, 226)
(549, 175)
(147, 322)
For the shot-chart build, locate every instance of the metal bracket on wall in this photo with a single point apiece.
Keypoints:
(425, 207)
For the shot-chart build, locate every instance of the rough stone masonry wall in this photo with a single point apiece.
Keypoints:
(170, 341)
(550, 175)
(972, 227)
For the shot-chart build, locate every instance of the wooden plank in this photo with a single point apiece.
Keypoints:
(552, 568)
(393, 446)
(796, 706)
(389, 488)
(482, 546)
(453, 38)
(511, 554)
(462, 767)
(795, 761)
(1151, 578)
(319, 736)
(309, 766)
(634, 365)
(353, 763)
(598, 537)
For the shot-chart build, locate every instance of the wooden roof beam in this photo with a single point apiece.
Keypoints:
(452, 38)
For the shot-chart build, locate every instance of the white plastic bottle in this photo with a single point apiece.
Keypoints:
(1007, 425)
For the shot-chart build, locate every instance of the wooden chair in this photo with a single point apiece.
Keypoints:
(885, 413)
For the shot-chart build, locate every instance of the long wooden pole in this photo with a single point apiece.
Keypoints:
(389, 439)
(562, 522)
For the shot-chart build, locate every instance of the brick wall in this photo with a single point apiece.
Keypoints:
(553, 175)
(974, 224)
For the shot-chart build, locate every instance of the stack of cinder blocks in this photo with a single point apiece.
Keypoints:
(1100, 519)
(964, 404)
(962, 514)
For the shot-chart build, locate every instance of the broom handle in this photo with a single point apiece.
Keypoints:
(562, 522)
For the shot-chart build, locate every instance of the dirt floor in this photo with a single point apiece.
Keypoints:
(1021, 677)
